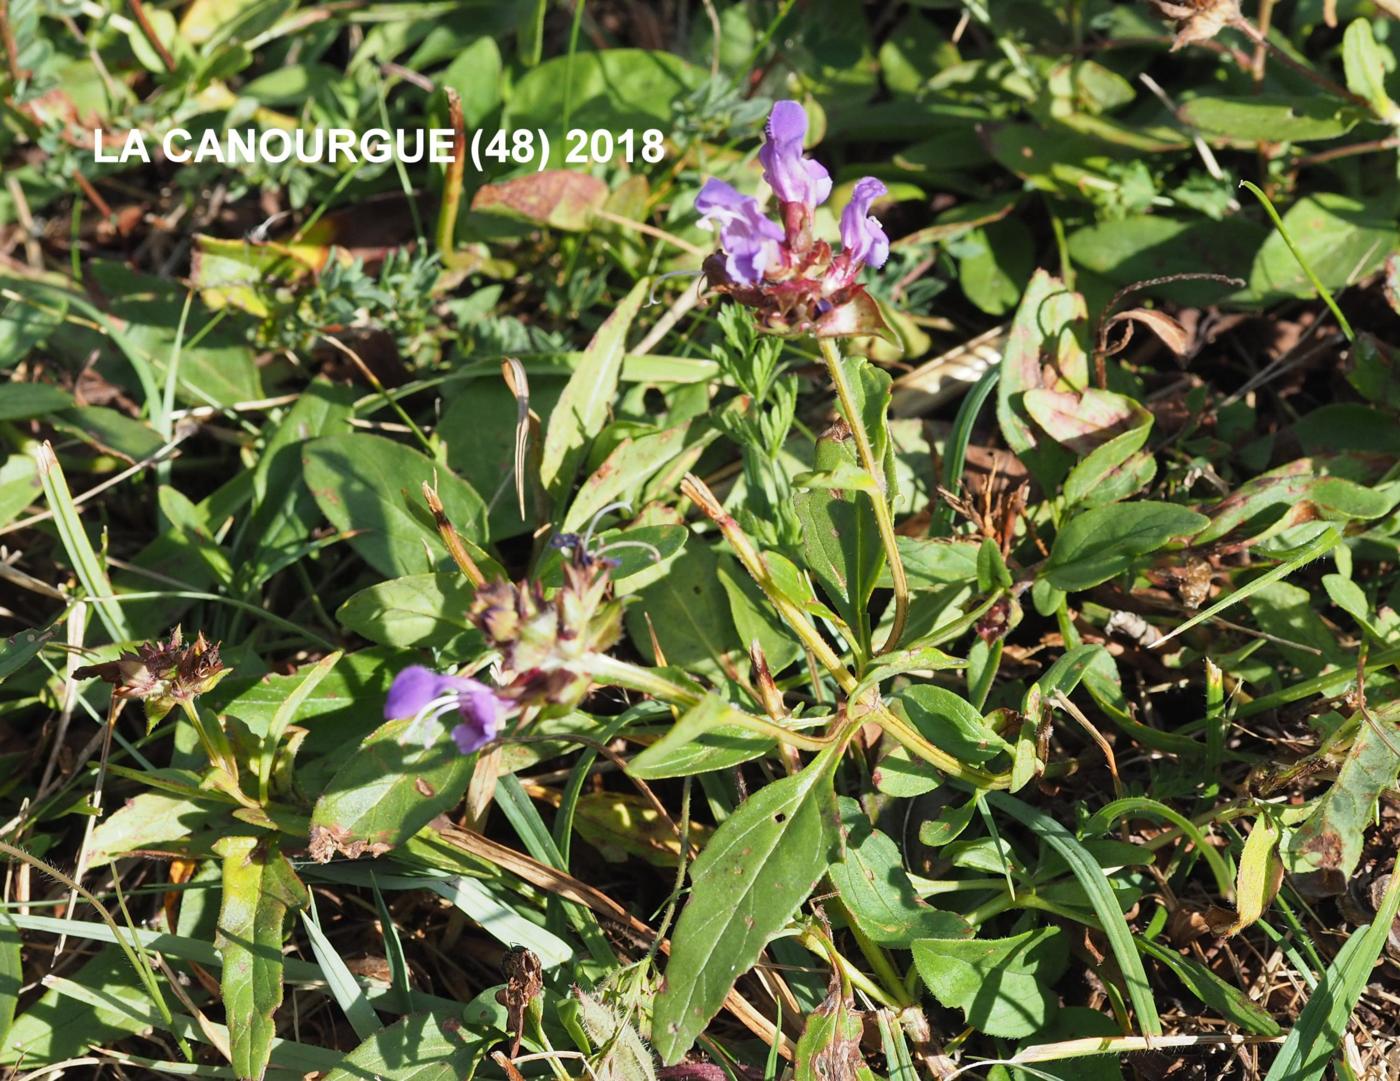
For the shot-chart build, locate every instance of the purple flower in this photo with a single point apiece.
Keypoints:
(425, 695)
(862, 238)
(793, 178)
(750, 240)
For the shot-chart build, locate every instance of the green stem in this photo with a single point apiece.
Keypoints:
(880, 961)
(651, 681)
(1322, 290)
(850, 974)
(884, 520)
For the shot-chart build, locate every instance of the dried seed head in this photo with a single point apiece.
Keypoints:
(162, 674)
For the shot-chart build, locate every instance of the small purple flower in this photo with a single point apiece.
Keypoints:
(425, 695)
(750, 240)
(793, 177)
(862, 238)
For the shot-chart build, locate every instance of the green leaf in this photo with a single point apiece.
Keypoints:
(877, 893)
(260, 890)
(1102, 542)
(147, 820)
(20, 401)
(625, 1057)
(374, 485)
(11, 975)
(109, 432)
(689, 612)
(1365, 69)
(1043, 332)
(994, 263)
(840, 539)
(950, 721)
(1091, 880)
(705, 738)
(1341, 238)
(1272, 118)
(421, 1047)
(1325, 849)
(613, 88)
(582, 409)
(756, 870)
(428, 611)
(1002, 985)
(1225, 999)
(1318, 1033)
(500, 920)
(90, 570)
(1114, 470)
(475, 74)
(25, 324)
(58, 1027)
(623, 473)
(1152, 246)
(348, 994)
(283, 511)
(1291, 561)
(992, 572)
(389, 789)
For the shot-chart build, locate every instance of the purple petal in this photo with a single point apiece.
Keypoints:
(793, 177)
(749, 239)
(481, 711)
(411, 691)
(787, 122)
(861, 235)
(721, 201)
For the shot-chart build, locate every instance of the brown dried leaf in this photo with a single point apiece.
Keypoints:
(1172, 333)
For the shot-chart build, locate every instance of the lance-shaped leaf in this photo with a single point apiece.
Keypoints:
(1104, 541)
(747, 884)
(372, 485)
(260, 890)
(840, 538)
(1324, 850)
(1314, 1040)
(582, 409)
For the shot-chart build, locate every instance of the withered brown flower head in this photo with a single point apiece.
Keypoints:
(162, 674)
(1198, 20)
(544, 639)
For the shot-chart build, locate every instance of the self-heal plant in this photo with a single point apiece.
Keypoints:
(793, 282)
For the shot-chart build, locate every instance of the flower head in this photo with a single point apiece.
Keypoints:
(750, 240)
(162, 674)
(424, 695)
(793, 177)
(794, 283)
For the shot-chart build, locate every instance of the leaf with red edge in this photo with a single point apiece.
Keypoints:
(557, 198)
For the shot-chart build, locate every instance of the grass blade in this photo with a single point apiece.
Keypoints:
(346, 991)
(1323, 544)
(1318, 1033)
(75, 542)
(1095, 886)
